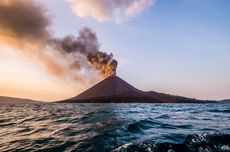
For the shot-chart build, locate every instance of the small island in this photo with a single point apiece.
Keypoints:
(115, 90)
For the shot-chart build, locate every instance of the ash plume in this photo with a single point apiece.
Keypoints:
(86, 44)
(23, 20)
(103, 62)
(24, 25)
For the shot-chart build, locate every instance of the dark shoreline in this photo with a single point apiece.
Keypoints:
(134, 101)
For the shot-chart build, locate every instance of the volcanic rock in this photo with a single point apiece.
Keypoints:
(114, 89)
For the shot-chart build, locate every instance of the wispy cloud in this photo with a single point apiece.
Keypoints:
(105, 10)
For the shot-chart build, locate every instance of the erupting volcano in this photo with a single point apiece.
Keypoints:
(114, 89)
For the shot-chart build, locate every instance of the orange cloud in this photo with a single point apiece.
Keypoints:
(104, 10)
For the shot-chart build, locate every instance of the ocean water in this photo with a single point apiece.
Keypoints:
(115, 127)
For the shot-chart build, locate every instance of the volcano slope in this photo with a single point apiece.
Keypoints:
(115, 90)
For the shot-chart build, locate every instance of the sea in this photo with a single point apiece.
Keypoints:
(128, 127)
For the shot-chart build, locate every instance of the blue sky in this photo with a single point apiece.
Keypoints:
(178, 47)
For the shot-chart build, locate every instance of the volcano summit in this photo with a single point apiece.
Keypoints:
(114, 89)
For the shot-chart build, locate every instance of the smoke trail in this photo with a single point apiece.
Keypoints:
(86, 44)
(25, 26)
(103, 62)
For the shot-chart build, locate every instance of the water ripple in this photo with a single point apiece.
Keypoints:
(115, 127)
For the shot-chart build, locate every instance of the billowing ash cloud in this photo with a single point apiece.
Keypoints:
(23, 19)
(103, 10)
(86, 44)
(24, 25)
(103, 62)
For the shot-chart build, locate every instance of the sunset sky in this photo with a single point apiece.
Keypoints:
(180, 47)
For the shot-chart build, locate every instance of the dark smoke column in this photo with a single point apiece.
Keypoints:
(86, 44)
(103, 62)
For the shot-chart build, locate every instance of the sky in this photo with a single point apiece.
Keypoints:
(179, 47)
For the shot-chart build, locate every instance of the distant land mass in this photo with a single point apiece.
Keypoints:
(225, 101)
(115, 90)
(14, 100)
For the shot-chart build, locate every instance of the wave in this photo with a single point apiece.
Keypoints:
(114, 127)
(192, 143)
(220, 111)
(140, 126)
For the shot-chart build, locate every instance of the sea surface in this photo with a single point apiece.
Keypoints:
(115, 127)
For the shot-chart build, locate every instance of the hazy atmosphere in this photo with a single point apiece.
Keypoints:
(115, 75)
(178, 47)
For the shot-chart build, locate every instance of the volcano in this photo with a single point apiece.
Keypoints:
(114, 89)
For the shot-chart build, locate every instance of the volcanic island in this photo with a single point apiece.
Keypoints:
(115, 90)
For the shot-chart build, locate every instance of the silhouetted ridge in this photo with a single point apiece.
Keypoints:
(16, 100)
(114, 89)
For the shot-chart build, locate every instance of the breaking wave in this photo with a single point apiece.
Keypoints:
(192, 143)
